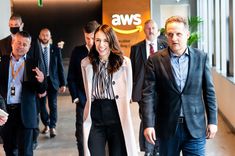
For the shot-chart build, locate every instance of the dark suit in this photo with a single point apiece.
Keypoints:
(5, 46)
(22, 118)
(55, 80)
(196, 98)
(76, 88)
(138, 58)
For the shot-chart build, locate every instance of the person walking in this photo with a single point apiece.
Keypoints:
(55, 82)
(178, 98)
(107, 77)
(75, 81)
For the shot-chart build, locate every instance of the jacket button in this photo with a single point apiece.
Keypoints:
(116, 97)
(113, 82)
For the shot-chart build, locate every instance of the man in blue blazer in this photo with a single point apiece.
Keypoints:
(20, 82)
(178, 99)
(139, 54)
(55, 81)
(75, 81)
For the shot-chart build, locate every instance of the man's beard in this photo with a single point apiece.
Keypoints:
(43, 41)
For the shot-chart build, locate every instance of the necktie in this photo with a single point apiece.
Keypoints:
(151, 49)
(45, 55)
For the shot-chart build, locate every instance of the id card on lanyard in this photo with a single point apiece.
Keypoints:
(14, 74)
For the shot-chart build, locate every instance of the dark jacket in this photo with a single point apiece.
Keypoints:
(56, 68)
(138, 58)
(5, 46)
(30, 88)
(75, 81)
(197, 97)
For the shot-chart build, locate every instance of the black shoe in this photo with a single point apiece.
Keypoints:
(45, 130)
(52, 132)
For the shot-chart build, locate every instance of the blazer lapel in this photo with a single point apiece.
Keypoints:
(51, 59)
(143, 50)
(191, 66)
(168, 69)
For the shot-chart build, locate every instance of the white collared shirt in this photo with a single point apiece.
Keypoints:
(154, 44)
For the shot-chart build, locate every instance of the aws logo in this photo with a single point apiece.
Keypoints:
(126, 19)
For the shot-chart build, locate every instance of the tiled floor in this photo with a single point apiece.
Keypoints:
(64, 144)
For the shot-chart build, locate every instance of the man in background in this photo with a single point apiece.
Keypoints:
(75, 81)
(55, 79)
(15, 25)
(139, 54)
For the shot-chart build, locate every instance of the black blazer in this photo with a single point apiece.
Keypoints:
(30, 88)
(197, 97)
(138, 58)
(56, 69)
(5, 46)
(75, 81)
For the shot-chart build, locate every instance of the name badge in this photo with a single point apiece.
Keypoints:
(13, 89)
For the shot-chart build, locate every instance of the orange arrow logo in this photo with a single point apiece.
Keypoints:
(137, 29)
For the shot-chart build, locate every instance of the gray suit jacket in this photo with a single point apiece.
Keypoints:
(138, 58)
(160, 91)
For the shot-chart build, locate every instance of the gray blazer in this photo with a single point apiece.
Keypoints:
(160, 91)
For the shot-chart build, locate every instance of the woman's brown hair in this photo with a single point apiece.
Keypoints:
(116, 54)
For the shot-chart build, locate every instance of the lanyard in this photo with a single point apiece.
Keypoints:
(15, 73)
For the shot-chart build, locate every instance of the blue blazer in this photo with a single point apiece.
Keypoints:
(56, 70)
(75, 80)
(30, 88)
(160, 91)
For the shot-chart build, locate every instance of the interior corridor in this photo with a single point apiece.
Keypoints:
(64, 143)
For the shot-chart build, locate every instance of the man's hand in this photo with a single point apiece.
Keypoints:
(39, 75)
(42, 95)
(150, 135)
(62, 89)
(211, 131)
(3, 120)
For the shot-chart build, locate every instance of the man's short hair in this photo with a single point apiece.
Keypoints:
(177, 19)
(91, 26)
(24, 34)
(16, 17)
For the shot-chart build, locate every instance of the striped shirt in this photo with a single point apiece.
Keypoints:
(102, 83)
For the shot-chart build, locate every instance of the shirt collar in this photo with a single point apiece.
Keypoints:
(22, 58)
(45, 45)
(88, 48)
(172, 54)
(151, 42)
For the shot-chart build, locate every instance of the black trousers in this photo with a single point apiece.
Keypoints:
(79, 128)
(106, 128)
(17, 140)
(49, 118)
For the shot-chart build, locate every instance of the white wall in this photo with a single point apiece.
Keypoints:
(5, 13)
(225, 91)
